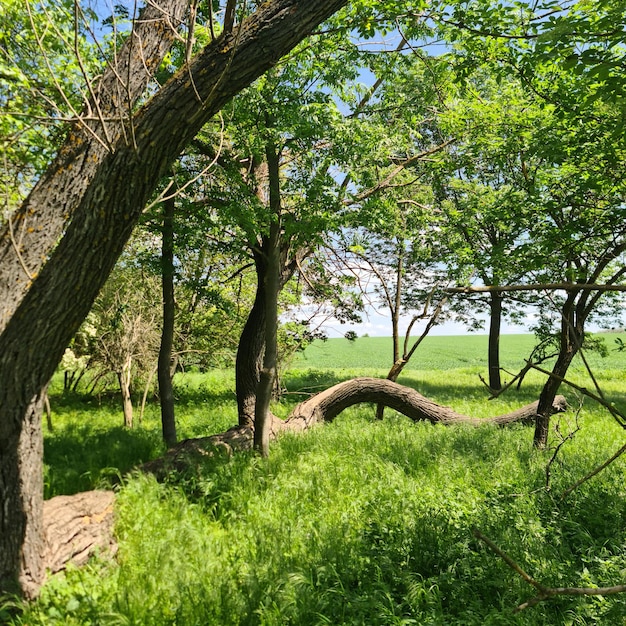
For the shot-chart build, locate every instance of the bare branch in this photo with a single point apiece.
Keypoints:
(618, 415)
(593, 472)
(538, 287)
(545, 593)
(386, 182)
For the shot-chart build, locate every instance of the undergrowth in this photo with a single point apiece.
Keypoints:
(357, 522)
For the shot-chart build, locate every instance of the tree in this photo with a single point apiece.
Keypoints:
(484, 187)
(165, 373)
(273, 190)
(126, 341)
(396, 235)
(75, 226)
(583, 226)
(571, 59)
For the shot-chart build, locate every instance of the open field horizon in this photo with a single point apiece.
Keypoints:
(442, 352)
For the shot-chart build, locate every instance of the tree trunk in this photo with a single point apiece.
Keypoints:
(400, 364)
(495, 322)
(40, 221)
(124, 378)
(251, 346)
(250, 350)
(76, 526)
(550, 389)
(262, 415)
(327, 405)
(572, 333)
(22, 564)
(48, 283)
(166, 390)
(48, 410)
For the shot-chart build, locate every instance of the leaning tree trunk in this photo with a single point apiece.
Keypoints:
(166, 389)
(49, 283)
(21, 492)
(250, 350)
(326, 406)
(572, 333)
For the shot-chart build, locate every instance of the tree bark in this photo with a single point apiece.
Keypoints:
(572, 333)
(166, 390)
(76, 527)
(50, 278)
(262, 415)
(35, 228)
(328, 404)
(124, 378)
(250, 350)
(495, 323)
(325, 406)
(21, 492)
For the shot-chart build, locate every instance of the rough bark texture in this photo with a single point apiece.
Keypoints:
(77, 526)
(21, 494)
(166, 390)
(46, 296)
(251, 347)
(572, 334)
(250, 350)
(262, 415)
(495, 323)
(39, 223)
(326, 405)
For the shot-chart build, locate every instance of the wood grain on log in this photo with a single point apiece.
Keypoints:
(77, 526)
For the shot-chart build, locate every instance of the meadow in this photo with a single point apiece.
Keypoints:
(358, 521)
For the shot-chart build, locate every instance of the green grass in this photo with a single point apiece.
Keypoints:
(357, 522)
(437, 353)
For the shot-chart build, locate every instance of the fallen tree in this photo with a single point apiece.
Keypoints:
(76, 526)
(325, 406)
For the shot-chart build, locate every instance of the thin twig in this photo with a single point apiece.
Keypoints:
(593, 473)
(618, 415)
(545, 593)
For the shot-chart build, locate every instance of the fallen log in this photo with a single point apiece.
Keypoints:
(325, 406)
(78, 525)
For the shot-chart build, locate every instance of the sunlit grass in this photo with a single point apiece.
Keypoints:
(361, 522)
(357, 522)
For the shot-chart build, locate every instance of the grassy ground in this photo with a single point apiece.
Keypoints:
(357, 522)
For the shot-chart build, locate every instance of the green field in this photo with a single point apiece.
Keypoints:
(357, 522)
(438, 353)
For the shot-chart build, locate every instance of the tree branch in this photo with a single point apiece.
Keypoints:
(545, 593)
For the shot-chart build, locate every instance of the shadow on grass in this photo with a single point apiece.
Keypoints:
(80, 458)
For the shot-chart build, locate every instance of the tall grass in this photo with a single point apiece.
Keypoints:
(356, 522)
